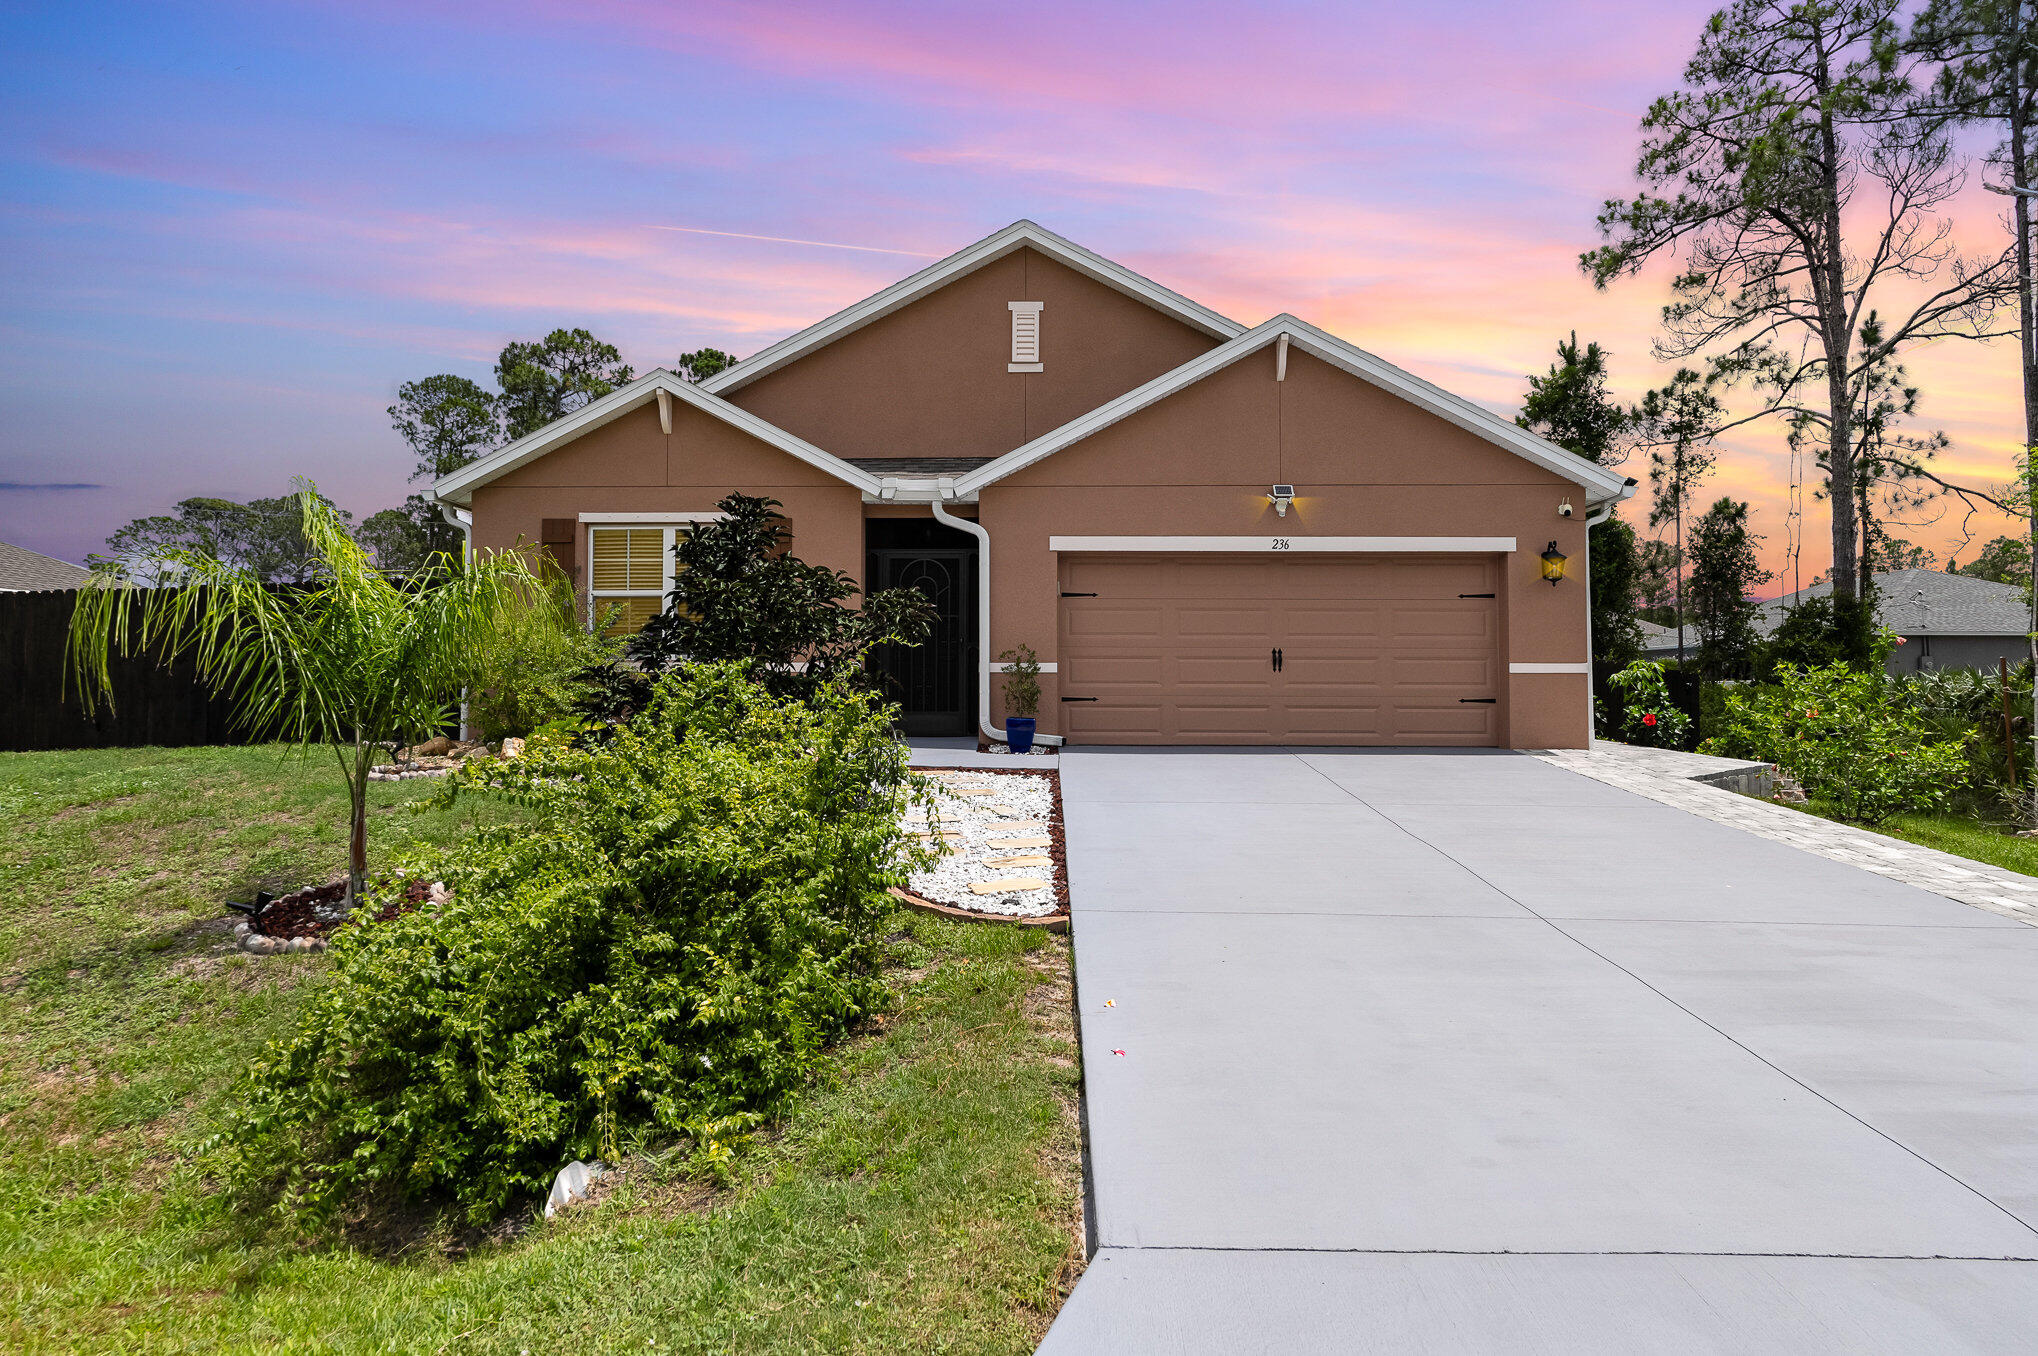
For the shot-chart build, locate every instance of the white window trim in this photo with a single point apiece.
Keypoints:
(1252, 544)
(1550, 668)
(1023, 358)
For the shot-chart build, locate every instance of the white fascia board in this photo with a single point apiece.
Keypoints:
(1018, 235)
(1238, 545)
(459, 487)
(1601, 484)
(913, 491)
(1579, 666)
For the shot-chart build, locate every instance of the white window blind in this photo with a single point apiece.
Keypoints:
(1025, 337)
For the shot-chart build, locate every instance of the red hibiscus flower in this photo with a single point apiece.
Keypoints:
(1649, 719)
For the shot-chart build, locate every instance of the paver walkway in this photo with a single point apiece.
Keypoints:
(1465, 1052)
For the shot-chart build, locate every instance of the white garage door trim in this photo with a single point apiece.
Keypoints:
(1242, 544)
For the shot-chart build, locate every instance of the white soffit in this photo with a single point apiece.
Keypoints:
(459, 487)
(1601, 484)
(1019, 235)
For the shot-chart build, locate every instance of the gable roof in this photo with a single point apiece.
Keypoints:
(1019, 235)
(459, 487)
(1926, 603)
(1600, 484)
(23, 570)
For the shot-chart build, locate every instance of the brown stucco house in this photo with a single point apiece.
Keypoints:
(1209, 534)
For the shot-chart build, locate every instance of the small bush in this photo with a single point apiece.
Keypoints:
(1849, 739)
(695, 916)
(533, 669)
(1650, 719)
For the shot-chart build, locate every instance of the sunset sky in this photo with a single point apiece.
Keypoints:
(227, 232)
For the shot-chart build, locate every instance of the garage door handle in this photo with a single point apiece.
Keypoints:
(1079, 699)
(1274, 658)
(1462, 595)
(1477, 701)
(1079, 595)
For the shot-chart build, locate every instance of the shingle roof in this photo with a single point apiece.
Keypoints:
(23, 570)
(919, 466)
(1926, 603)
(1663, 639)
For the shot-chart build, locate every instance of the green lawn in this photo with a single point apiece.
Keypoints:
(924, 1196)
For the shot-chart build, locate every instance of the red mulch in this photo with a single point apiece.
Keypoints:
(315, 912)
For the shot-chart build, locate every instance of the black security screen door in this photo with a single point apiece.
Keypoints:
(933, 682)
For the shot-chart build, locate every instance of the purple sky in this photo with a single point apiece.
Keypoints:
(227, 232)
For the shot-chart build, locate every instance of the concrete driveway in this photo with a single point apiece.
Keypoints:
(1462, 1052)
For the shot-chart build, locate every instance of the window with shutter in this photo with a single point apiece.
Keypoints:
(629, 574)
(1025, 337)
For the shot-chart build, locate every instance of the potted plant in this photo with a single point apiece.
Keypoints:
(1022, 696)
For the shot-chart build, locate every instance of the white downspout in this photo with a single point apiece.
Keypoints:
(1591, 711)
(983, 536)
(464, 520)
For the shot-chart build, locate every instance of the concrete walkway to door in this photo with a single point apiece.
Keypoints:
(1462, 1052)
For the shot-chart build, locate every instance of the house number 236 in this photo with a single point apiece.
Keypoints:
(1281, 544)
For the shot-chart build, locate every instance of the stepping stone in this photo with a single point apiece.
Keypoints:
(1006, 883)
(971, 791)
(1023, 859)
(1020, 843)
(1015, 826)
(991, 809)
(946, 835)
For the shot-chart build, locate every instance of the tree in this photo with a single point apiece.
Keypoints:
(1894, 553)
(2005, 560)
(347, 660)
(1724, 572)
(1677, 422)
(1988, 50)
(703, 363)
(399, 546)
(552, 378)
(448, 421)
(263, 536)
(739, 593)
(1793, 113)
(1657, 590)
(1569, 405)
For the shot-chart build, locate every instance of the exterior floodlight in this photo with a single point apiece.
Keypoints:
(1282, 496)
(1553, 564)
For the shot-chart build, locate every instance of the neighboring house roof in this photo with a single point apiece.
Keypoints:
(1019, 235)
(1659, 639)
(1926, 603)
(22, 571)
(459, 487)
(1600, 484)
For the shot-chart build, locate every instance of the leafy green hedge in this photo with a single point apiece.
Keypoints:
(696, 913)
(1849, 738)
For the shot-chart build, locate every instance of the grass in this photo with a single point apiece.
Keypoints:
(924, 1195)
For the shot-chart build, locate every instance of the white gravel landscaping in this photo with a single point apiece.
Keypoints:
(1000, 823)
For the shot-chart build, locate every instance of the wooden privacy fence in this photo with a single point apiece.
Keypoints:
(152, 705)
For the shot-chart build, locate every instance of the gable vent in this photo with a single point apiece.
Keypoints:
(1025, 337)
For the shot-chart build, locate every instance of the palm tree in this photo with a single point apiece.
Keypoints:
(349, 660)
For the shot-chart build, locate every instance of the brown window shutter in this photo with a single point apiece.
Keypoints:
(555, 537)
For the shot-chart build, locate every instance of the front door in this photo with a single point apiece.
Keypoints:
(933, 682)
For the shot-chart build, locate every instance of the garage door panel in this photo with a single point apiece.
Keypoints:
(1373, 649)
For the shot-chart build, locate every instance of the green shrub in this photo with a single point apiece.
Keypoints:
(696, 914)
(1650, 719)
(1849, 739)
(534, 668)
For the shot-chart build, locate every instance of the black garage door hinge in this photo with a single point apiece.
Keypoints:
(1079, 595)
(1475, 595)
(1079, 699)
(1477, 701)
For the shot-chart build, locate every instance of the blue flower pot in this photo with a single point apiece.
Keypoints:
(1019, 733)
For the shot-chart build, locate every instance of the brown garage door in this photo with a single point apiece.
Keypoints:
(1295, 649)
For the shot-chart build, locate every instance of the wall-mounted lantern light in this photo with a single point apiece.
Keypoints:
(1280, 498)
(1553, 564)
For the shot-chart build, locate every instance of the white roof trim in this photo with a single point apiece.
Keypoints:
(1019, 235)
(459, 487)
(1601, 484)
